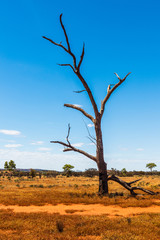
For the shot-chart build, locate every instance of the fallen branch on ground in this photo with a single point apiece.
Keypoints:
(128, 185)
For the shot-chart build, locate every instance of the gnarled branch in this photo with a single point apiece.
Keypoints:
(81, 110)
(110, 91)
(128, 185)
(74, 67)
(72, 148)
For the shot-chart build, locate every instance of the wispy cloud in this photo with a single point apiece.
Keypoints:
(140, 149)
(13, 145)
(90, 125)
(77, 144)
(10, 132)
(44, 149)
(37, 143)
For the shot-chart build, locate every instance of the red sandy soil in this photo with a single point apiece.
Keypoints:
(81, 209)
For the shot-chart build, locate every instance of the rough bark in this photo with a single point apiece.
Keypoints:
(102, 166)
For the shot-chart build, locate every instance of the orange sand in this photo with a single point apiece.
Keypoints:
(81, 209)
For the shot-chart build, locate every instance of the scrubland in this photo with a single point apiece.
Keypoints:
(76, 190)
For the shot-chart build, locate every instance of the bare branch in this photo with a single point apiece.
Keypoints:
(69, 128)
(110, 91)
(81, 59)
(90, 136)
(60, 45)
(79, 91)
(81, 110)
(89, 92)
(72, 148)
(67, 149)
(57, 44)
(69, 49)
(117, 76)
(75, 68)
(64, 65)
(123, 78)
(64, 30)
(134, 181)
(128, 187)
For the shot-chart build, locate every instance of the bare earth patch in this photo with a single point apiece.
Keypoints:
(81, 209)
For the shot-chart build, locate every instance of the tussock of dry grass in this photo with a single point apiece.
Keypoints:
(40, 226)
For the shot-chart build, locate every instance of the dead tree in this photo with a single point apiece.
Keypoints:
(96, 119)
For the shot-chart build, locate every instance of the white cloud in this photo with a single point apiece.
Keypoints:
(37, 143)
(13, 145)
(77, 144)
(44, 149)
(10, 132)
(90, 125)
(45, 160)
(140, 149)
(77, 105)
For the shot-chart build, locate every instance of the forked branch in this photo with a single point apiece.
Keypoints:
(70, 147)
(110, 91)
(75, 68)
(128, 185)
(81, 59)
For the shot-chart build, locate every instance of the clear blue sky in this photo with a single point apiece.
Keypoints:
(120, 36)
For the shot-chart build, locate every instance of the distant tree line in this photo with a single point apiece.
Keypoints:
(11, 171)
(91, 172)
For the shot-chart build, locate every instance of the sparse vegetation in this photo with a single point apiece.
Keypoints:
(74, 190)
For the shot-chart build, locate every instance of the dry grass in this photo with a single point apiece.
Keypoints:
(44, 226)
(40, 226)
(57, 190)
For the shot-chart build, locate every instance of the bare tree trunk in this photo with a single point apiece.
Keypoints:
(102, 166)
(99, 158)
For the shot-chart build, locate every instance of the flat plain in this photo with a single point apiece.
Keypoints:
(70, 208)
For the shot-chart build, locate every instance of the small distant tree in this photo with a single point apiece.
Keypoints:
(124, 171)
(10, 166)
(151, 166)
(67, 170)
(6, 166)
(32, 173)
